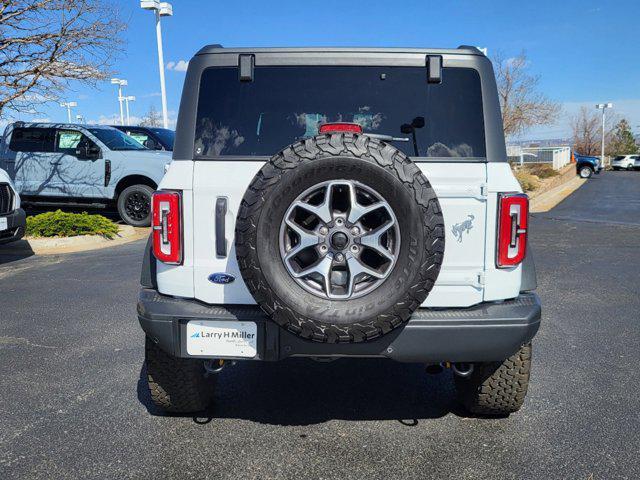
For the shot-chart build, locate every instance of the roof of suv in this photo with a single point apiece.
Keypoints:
(56, 125)
(461, 50)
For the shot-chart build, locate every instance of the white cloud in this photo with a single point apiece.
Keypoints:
(179, 66)
(41, 120)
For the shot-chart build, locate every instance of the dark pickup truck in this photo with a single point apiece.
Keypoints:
(586, 165)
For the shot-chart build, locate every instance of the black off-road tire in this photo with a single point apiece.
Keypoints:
(177, 385)
(143, 190)
(496, 388)
(351, 157)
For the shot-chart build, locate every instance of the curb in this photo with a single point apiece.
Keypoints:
(82, 243)
(549, 199)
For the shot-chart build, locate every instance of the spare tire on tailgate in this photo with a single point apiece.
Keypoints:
(339, 238)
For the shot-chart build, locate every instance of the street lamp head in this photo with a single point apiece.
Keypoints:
(602, 106)
(163, 8)
(73, 104)
(166, 10)
(131, 98)
(119, 81)
(149, 4)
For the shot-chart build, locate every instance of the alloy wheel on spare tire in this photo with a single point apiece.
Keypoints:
(339, 238)
(134, 205)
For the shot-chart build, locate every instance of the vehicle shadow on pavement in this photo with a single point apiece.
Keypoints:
(12, 252)
(304, 392)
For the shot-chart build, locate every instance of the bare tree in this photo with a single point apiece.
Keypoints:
(45, 44)
(522, 105)
(152, 118)
(586, 128)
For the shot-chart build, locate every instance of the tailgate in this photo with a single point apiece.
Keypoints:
(461, 189)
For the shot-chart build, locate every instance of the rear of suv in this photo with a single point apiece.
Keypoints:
(336, 203)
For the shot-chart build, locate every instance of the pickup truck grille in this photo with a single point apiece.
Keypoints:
(6, 199)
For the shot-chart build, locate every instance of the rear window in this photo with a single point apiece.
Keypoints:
(285, 104)
(32, 140)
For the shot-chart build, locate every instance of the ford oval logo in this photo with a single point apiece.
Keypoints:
(221, 278)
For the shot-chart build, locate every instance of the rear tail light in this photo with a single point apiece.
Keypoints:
(340, 127)
(167, 227)
(513, 221)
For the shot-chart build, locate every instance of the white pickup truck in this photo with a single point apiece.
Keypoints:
(339, 202)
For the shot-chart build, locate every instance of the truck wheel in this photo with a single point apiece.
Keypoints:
(134, 205)
(585, 172)
(177, 385)
(340, 238)
(496, 388)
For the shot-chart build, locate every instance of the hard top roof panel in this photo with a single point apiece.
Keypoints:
(219, 49)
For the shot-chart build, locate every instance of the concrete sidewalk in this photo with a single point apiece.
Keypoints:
(549, 199)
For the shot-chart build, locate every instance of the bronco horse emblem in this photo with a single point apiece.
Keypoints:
(459, 228)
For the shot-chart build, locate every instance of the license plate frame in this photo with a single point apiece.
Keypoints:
(221, 338)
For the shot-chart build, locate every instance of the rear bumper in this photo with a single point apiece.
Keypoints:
(485, 332)
(16, 223)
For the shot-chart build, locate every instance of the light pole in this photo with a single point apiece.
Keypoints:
(80, 118)
(161, 9)
(127, 99)
(68, 106)
(121, 83)
(603, 107)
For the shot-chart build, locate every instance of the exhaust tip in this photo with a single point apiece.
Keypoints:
(463, 370)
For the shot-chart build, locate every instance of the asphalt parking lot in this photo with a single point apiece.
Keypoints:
(74, 405)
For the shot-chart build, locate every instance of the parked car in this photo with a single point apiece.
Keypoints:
(624, 162)
(329, 203)
(151, 137)
(83, 165)
(586, 166)
(12, 217)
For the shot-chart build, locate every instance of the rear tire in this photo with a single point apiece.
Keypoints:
(134, 205)
(177, 385)
(496, 388)
(629, 168)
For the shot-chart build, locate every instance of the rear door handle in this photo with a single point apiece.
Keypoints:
(221, 238)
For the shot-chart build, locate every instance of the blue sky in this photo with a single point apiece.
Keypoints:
(584, 51)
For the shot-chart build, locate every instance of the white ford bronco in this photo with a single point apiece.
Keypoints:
(339, 202)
